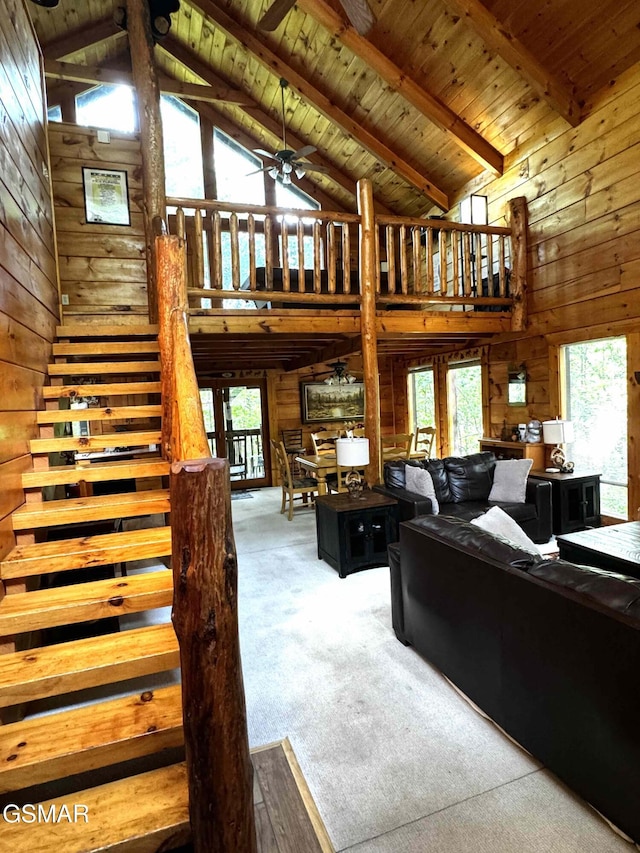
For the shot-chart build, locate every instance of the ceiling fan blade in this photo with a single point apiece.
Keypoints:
(272, 18)
(257, 171)
(360, 14)
(304, 152)
(264, 153)
(310, 167)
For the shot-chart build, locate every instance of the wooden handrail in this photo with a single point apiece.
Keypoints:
(259, 209)
(205, 614)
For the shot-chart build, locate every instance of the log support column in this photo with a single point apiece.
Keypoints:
(368, 276)
(205, 618)
(145, 79)
(519, 226)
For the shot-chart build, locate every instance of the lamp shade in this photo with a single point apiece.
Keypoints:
(557, 432)
(352, 452)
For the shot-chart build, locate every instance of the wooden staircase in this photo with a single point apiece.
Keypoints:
(65, 583)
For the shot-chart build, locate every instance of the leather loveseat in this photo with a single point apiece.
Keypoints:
(462, 485)
(549, 650)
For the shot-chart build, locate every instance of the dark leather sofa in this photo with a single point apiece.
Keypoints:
(549, 650)
(462, 485)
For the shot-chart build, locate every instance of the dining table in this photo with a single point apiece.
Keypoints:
(318, 466)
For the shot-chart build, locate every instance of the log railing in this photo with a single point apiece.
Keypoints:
(254, 256)
(205, 587)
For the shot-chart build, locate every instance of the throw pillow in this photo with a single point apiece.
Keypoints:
(419, 480)
(510, 480)
(498, 522)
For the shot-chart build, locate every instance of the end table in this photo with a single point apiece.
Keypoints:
(576, 500)
(353, 534)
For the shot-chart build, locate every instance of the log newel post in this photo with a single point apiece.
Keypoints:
(205, 619)
(368, 327)
(145, 79)
(519, 226)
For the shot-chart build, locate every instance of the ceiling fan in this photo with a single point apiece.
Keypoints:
(358, 12)
(287, 160)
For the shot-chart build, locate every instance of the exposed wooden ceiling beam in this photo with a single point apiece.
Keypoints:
(498, 37)
(338, 349)
(430, 106)
(95, 74)
(82, 38)
(241, 34)
(191, 61)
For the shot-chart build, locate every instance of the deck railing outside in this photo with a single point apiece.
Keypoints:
(256, 257)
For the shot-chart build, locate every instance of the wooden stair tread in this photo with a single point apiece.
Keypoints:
(78, 665)
(97, 413)
(84, 602)
(95, 508)
(140, 814)
(39, 750)
(95, 442)
(84, 552)
(106, 348)
(90, 368)
(106, 330)
(54, 392)
(94, 472)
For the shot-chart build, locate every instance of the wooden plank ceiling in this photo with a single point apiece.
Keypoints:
(437, 93)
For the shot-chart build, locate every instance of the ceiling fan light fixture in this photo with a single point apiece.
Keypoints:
(273, 173)
(300, 173)
(286, 178)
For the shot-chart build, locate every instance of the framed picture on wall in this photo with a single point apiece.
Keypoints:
(106, 196)
(322, 402)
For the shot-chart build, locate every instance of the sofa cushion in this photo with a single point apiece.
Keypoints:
(419, 480)
(619, 592)
(469, 538)
(470, 477)
(394, 473)
(440, 479)
(510, 480)
(498, 522)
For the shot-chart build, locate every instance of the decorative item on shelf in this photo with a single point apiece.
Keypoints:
(517, 385)
(558, 432)
(522, 432)
(353, 453)
(534, 432)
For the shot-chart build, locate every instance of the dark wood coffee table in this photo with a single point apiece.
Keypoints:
(615, 548)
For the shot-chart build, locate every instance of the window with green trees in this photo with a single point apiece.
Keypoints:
(423, 398)
(464, 392)
(595, 400)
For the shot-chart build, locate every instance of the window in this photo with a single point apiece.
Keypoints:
(184, 176)
(55, 113)
(295, 198)
(595, 400)
(112, 107)
(233, 168)
(423, 398)
(464, 391)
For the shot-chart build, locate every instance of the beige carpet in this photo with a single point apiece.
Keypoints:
(397, 762)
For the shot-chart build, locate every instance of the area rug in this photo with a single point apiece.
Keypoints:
(241, 495)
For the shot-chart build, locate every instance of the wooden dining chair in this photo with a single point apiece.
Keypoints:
(324, 442)
(292, 487)
(396, 446)
(425, 438)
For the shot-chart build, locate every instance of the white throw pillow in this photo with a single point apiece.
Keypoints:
(510, 480)
(497, 521)
(419, 480)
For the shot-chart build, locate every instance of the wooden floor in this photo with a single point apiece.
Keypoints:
(287, 820)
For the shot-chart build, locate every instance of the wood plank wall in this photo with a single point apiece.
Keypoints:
(28, 281)
(582, 187)
(102, 267)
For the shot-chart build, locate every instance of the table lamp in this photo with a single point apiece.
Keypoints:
(558, 432)
(353, 453)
